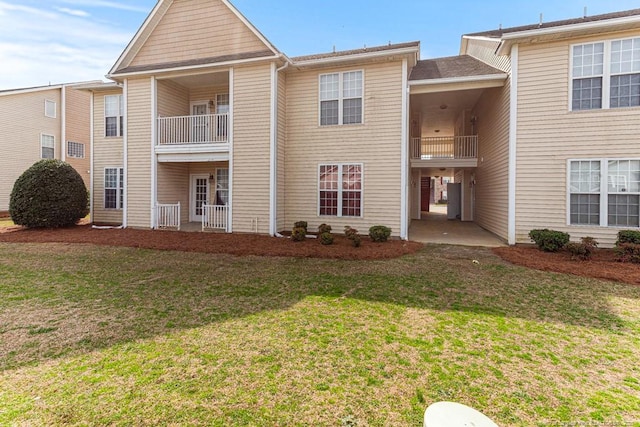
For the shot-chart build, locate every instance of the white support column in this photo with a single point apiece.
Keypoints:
(92, 159)
(513, 133)
(125, 153)
(404, 170)
(154, 158)
(63, 124)
(231, 143)
(273, 153)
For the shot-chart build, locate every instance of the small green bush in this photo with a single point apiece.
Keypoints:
(578, 250)
(298, 234)
(549, 240)
(49, 194)
(628, 236)
(326, 238)
(628, 252)
(353, 235)
(324, 228)
(379, 233)
(301, 224)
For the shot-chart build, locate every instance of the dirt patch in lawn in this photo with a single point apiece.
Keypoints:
(234, 244)
(602, 265)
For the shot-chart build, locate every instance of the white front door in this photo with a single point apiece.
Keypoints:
(200, 121)
(199, 196)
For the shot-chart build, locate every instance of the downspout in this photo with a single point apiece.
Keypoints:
(63, 124)
(125, 154)
(91, 160)
(273, 167)
(513, 135)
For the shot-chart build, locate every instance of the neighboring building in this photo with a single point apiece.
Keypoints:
(227, 131)
(41, 123)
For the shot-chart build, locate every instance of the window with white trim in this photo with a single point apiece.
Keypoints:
(75, 149)
(113, 115)
(113, 188)
(613, 201)
(50, 108)
(47, 146)
(605, 74)
(340, 190)
(341, 98)
(222, 186)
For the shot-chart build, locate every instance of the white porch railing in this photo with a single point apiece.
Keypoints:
(204, 129)
(215, 217)
(445, 147)
(168, 216)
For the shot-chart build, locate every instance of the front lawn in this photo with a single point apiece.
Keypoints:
(122, 336)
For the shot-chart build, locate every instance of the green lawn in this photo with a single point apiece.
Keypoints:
(120, 336)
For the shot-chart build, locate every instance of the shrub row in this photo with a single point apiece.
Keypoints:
(377, 233)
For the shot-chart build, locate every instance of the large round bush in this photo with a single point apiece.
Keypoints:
(48, 194)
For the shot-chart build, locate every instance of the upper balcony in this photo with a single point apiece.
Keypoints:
(446, 151)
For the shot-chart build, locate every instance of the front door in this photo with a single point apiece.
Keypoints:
(199, 121)
(199, 196)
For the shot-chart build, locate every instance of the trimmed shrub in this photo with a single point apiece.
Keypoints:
(379, 233)
(628, 236)
(549, 240)
(628, 252)
(301, 224)
(324, 228)
(326, 238)
(298, 234)
(49, 194)
(353, 235)
(577, 250)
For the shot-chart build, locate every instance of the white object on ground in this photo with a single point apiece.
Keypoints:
(452, 414)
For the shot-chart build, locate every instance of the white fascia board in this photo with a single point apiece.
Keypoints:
(464, 43)
(31, 90)
(158, 72)
(454, 80)
(93, 87)
(356, 57)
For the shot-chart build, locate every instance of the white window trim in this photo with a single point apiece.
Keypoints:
(341, 98)
(119, 188)
(604, 193)
(606, 76)
(55, 108)
(72, 155)
(340, 166)
(119, 117)
(42, 135)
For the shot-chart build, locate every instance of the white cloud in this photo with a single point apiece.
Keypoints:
(73, 12)
(107, 4)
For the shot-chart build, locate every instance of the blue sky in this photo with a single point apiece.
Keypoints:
(56, 41)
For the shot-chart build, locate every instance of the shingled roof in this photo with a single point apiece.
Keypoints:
(364, 50)
(451, 67)
(500, 32)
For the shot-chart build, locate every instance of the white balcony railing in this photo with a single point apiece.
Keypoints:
(168, 216)
(215, 217)
(203, 129)
(445, 147)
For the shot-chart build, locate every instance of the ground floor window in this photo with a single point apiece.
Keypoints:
(340, 190)
(113, 188)
(604, 192)
(222, 187)
(75, 149)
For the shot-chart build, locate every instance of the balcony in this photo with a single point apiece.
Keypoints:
(446, 151)
(193, 138)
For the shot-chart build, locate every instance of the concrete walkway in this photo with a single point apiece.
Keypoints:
(435, 228)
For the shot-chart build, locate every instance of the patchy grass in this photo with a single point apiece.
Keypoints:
(110, 336)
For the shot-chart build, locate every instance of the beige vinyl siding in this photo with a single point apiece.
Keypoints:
(173, 186)
(485, 51)
(207, 94)
(492, 173)
(22, 122)
(194, 29)
(173, 99)
(108, 153)
(282, 138)
(251, 144)
(376, 144)
(549, 134)
(138, 196)
(78, 129)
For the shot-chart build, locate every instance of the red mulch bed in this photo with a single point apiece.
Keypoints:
(602, 265)
(217, 243)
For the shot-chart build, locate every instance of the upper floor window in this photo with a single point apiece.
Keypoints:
(50, 108)
(606, 75)
(341, 98)
(47, 146)
(75, 149)
(113, 115)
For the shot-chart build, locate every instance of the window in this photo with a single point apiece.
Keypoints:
(614, 201)
(113, 115)
(47, 146)
(606, 75)
(340, 190)
(50, 108)
(222, 187)
(341, 98)
(113, 188)
(75, 149)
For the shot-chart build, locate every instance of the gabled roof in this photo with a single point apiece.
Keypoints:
(44, 88)
(452, 67)
(154, 19)
(566, 22)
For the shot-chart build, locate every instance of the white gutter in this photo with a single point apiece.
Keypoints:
(465, 79)
(63, 124)
(31, 90)
(273, 161)
(404, 156)
(91, 161)
(231, 171)
(125, 152)
(154, 163)
(355, 57)
(513, 134)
